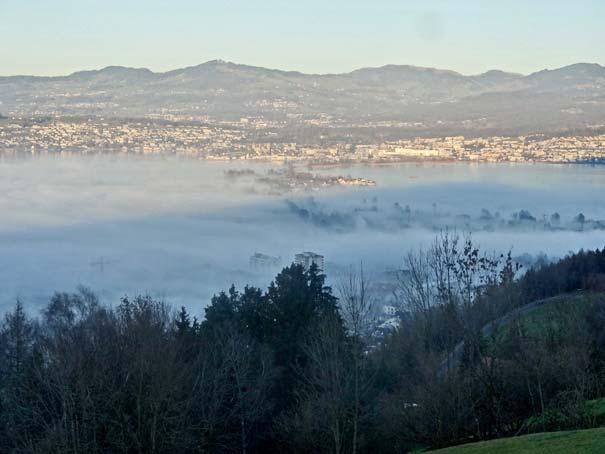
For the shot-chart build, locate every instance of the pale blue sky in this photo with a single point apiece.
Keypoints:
(49, 37)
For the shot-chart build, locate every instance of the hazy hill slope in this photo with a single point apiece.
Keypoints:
(573, 96)
(536, 317)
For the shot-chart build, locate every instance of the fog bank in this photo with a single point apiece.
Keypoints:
(182, 229)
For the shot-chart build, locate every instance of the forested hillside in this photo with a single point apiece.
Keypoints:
(299, 367)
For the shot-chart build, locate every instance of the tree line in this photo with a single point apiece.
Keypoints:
(299, 367)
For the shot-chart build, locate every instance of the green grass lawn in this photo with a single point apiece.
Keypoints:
(575, 441)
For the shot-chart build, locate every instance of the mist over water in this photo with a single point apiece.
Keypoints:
(181, 230)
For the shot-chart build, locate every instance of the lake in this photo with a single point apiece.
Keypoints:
(182, 229)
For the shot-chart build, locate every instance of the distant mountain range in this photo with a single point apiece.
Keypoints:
(414, 97)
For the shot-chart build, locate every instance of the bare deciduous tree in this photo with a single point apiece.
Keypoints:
(358, 309)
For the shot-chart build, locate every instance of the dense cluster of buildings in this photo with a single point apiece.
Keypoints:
(88, 136)
(253, 142)
(491, 149)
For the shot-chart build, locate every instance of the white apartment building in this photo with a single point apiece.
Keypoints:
(306, 259)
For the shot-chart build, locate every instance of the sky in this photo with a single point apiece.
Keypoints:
(43, 37)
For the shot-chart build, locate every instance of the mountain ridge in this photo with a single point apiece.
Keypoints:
(226, 63)
(569, 97)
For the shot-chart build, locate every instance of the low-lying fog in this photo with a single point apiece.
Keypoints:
(184, 229)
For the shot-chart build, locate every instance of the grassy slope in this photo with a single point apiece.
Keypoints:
(576, 441)
(551, 316)
(562, 308)
(554, 315)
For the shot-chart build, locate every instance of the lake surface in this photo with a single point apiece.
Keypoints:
(180, 229)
